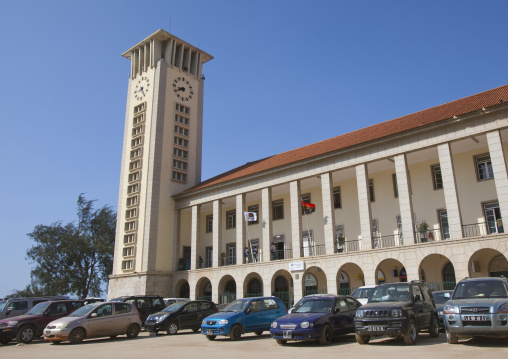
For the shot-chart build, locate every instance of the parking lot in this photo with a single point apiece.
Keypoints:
(187, 344)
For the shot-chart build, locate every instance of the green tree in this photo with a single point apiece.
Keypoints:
(74, 258)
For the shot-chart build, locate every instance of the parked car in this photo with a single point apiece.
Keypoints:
(397, 309)
(31, 324)
(145, 304)
(478, 308)
(363, 293)
(440, 298)
(17, 306)
(244, 316)
(169, 301)
(300, 301)
(180, 315)
(317, 318)
(100, 319)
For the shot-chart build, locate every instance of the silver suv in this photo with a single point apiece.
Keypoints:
(18, 306)
(478, 307)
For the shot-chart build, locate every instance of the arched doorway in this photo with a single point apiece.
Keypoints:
(204, 289)
(449, 280)
(281, 289)
(311, 284)
(344, 287)
(184, 291)
(498, 267)
(229, 293)
(254, 288)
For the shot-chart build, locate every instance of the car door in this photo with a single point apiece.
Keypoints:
(353, 305)
(16, 308)
(54, 311)
(254, 319)
(419, 307)
(188, 316)
(122, 317)
(340, 317)
(272, 310)
(204, 310)
(100, 322)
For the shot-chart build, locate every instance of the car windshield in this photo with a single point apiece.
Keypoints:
(173, 307)
(2, 304)
(480, 289)
(314, 306)
(236, 306)
(439, 297)
(390, 293)
(39, 309)
(81, 312)
(117, 300)
(362, 293)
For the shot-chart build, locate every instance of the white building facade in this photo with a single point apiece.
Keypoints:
(418, 197)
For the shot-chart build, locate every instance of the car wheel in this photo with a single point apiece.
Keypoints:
(211, 337)
(258, 333)
(326, 335)
(235, 333)
(172, 328)
(434, 327)
(25, 334)
(281, 341)
(362, 339)
(411, 334)
(4, 341)
(77, 336)
(133, 330)
(451, 338)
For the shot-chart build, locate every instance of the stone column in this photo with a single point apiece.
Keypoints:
(405, 203)
(240, 228)
(328, 212)
(450, 190)
(500, 176)
(296, 217)
(217, 232)
(364, 206)
(194, 236)
(266, 222)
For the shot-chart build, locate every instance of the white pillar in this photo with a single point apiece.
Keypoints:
(194, 235)
(450, 191)
(266, 222)
(500, 176)
(405, 203)
(240, 228)
(296, 217)
(217, 232)
(364, 205)
(328, 212)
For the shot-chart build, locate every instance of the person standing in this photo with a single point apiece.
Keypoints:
(246, 252)
(255, 254)
(274, 251)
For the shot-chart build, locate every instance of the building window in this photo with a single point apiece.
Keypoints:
(181, 141)
(129, 238)
(182, 108)
(132, 201)
(182, 120)
(138, 141)
(136, 153)
(133, 188)
(128, 251)
(437, 179)
(231, 219)
(483, 167)
(371, 190)
(278, 209)
(134, 165)
(131, 213)
(337, 203)
(130, 226)
(126, 265)
(395, 188)
(179, 176)
(134, 176)
(209, 223)
(139, 108)
(255, 209)
(181, 130)
(138, 130)
(180, 165)
(138, 119)
(180, 153)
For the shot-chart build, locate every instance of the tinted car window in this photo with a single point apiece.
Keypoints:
(353, 305)
(39, 309)
(341, 305)
(132, 301)
(77, 305)
(57, 309)
(19, 305)
(480, 289)
(121, 308)
(255, 306)
(315, 306)
(144, 303)
(417, 291)
(35, 302)
(390, 293)
(103, 310)
(205, 306)
(192, 307)
(270, 304)
(158, 302)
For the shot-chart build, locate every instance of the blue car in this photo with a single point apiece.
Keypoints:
(317, 318)
(244, 316)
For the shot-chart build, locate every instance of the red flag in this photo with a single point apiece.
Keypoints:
(308, 207)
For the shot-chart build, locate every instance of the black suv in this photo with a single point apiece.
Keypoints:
(397, 310)
(146, 304)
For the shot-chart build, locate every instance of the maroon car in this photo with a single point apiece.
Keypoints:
(27, 326)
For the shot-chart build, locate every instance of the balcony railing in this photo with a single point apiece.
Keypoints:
(253, 258)
(312, 251)
(393, 240)
(432, 235)
(349, 246)
(282, 254)
(228, 260)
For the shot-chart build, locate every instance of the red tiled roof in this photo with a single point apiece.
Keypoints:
(426, 117)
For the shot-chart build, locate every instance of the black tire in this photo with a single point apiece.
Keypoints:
(281, 341)
(77, 336)
(326, 335)
(451, 338)
(411, 334)
(25, 334)
(133, 330)
(4, 341)
(211, 337)
(434, 327)
(235, 333)
(172, 328)
(258, 333)
(362, 339)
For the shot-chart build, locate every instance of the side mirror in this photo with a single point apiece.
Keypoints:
(10, 309)
(93, 315)
(447, 295)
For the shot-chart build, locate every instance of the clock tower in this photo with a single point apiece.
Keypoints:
(161, 157)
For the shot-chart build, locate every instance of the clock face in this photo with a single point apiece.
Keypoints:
(141, 88)
(183, 88)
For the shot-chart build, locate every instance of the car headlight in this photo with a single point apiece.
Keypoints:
(161, 318)
(304, 325)
(12, 323)
(450, 309)
(359, 313)
(396, 313)
(274, 325)
(203, 322)
(63, 325)
(223, 321)
(503, 308)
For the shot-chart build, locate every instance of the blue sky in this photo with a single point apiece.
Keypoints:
(285, 74)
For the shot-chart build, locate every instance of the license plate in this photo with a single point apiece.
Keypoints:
(287, 334)
(473, 318)
(209, 332)
(377, 329)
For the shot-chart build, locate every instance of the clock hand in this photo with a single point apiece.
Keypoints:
(181, 89)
